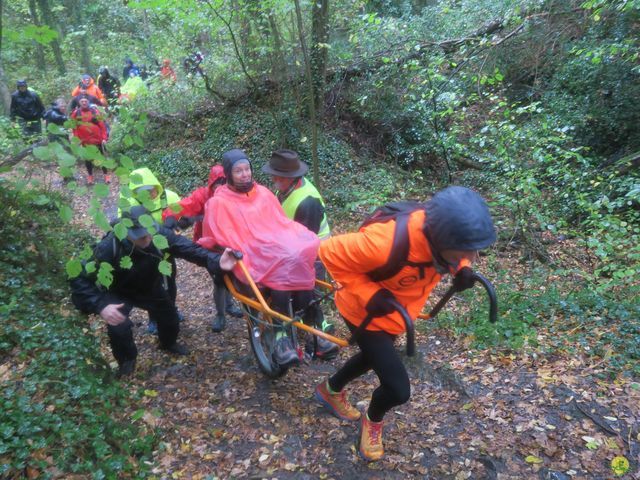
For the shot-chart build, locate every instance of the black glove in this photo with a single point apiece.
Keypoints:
(379, 305)
(464, 279)
(185, 222)
(171, 223)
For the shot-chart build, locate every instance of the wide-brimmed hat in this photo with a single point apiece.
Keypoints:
(285, 163)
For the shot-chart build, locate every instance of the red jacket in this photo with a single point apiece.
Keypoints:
(193, 205)
(167, 73)
(91, 130)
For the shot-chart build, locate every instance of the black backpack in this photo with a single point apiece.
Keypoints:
(398, 258)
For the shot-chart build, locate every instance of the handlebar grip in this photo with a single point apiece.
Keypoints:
(491, 292)
(408, 323)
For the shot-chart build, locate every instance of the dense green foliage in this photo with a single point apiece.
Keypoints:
(60, 405)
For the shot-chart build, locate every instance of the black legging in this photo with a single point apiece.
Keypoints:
(377, 353)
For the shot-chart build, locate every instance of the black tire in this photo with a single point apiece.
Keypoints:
(262, 338)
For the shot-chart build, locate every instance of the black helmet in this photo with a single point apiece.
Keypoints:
(103, 70)
(457, 218)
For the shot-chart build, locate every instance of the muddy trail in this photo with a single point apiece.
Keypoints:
(472, 414)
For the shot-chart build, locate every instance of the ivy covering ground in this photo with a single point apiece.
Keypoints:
(61, 409)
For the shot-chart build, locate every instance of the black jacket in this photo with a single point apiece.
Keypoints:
(110, 86)
(26, 105)
(53, 115)
(143, 278)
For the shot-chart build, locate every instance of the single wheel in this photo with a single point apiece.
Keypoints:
(262, 337)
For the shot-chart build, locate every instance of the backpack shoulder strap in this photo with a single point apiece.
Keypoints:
(399, 251)
(399, 256)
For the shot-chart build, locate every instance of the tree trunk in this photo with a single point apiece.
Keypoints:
(47, 16)
(5, 93)
(40, 62)
(311, 102)
(278, 66)
(319, 39)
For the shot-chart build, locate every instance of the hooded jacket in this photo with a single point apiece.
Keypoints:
(193, 205)
(133, 87)
(143, 177)
(91, 130)
(167, 73)
(91, 89)
(109, 85)
(26, 105)
(54, 115)
(456, 218)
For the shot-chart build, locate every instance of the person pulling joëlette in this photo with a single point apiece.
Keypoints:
(444, 236)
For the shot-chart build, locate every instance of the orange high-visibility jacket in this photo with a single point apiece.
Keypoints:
(349, 257)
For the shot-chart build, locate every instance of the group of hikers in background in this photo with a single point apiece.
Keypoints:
(94, 103)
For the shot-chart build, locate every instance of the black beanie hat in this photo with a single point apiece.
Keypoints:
(229, 159)
(458, 219)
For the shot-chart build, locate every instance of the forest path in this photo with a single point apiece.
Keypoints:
(472, 414)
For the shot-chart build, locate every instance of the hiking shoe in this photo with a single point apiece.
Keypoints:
(90, 180)
(126, 368)
(371, 439)
(176, 349)
(107, 178)
(218, 324)
(337, 403)
(232, 310)
(321, 348)
(284, 354)
(152, 328)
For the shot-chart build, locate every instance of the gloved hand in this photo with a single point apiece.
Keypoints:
(171, 223)
(464, 279)
(379, 305)
(185, 222)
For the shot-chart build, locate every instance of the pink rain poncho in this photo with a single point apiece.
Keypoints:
(278, 252)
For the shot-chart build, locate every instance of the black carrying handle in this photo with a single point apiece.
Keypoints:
(411, 347)
(411, 337)
(491, 293)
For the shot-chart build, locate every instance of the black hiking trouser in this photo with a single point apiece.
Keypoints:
(162, 311)
(89, 164)
(377, 353)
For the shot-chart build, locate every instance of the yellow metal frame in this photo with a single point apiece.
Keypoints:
(260, 304)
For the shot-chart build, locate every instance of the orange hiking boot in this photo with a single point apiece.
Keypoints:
(107, 178)
(371, 439)
(90, 180)
(337, 403)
